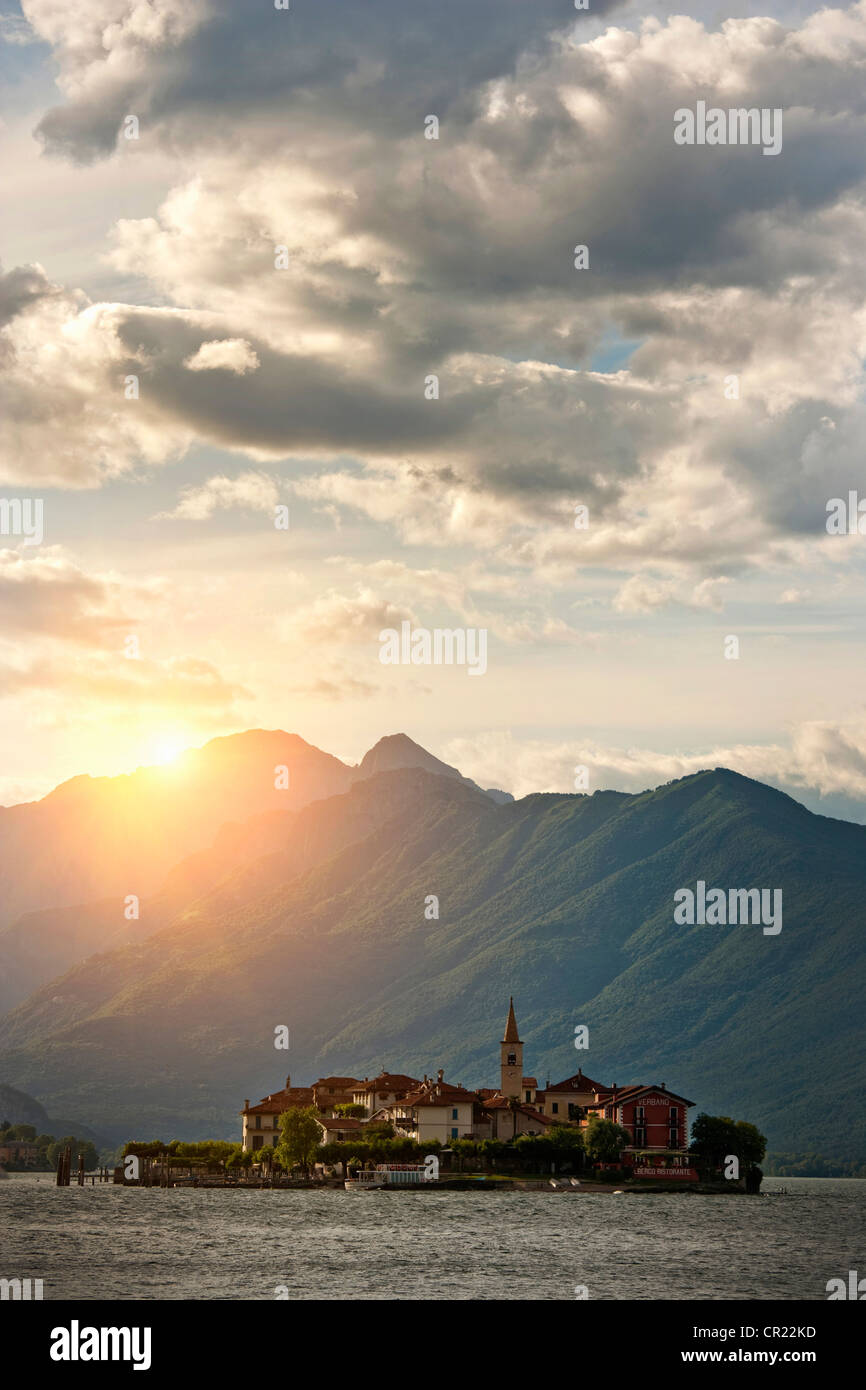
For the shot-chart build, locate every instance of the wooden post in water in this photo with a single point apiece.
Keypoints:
(81, 1170)
(64, 1162)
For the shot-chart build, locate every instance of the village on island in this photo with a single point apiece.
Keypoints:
(436, 1111)
(634, 1131)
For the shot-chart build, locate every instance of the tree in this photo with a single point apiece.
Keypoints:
(565, 1137)
(379, 1129)
(712, 1138)
(752, 1143)
(76, 1146)
(350, 1111)
(604, 1141)
(241, 1158)
(24, 1133)
(716, 1137)
(301, 1138)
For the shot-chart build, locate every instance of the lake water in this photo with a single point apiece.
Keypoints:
(107, 1242)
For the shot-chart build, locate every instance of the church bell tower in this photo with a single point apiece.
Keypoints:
(511, 1058)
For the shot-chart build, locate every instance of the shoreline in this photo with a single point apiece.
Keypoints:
(466, 1184)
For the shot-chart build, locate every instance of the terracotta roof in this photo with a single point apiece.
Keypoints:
(389, 1081)
(344, 1082)
(327, 1122)
(295, 1097)
(511, 1033)
(530, 1081)
(578, 1082)
(440, 1094)
(627, 1093)
(501, 1103)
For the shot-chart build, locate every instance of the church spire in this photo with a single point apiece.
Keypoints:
(511, 1058)
(511, 1033)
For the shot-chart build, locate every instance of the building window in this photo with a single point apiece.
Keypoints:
(555, 1107)
(512, 1059)
(258, 1121)
(674, 1115)
(454, 1113)
(258, 1140)
(528, 1097)
(640, 1138)
(639, 1112)
(454, 1134)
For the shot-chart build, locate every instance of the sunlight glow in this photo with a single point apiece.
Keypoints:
(166, 748)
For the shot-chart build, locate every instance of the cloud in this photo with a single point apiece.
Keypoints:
(316, 61)
(823, 764)
(46, 595)
(255, 492)
(410, 258)
(342, 687)
(65, 639)
(334, 619)
(708, 594)
(227, 355)
(15, 30)
(129, 687)
(69, 420)
(641, 594)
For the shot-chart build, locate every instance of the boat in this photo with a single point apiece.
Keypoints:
(390, 1175)
(364, 1180)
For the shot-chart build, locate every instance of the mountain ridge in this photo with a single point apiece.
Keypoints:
(233, 811)
(148, 819)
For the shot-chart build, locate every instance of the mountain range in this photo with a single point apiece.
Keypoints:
(314, 914)
(68, 862)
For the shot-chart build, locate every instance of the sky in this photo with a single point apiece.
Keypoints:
(238, 210)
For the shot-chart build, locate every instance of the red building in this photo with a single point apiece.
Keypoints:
(656, 1119)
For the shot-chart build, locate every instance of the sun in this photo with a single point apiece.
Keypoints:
(166, 748)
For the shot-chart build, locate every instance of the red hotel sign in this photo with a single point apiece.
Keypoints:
(688, 1174)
